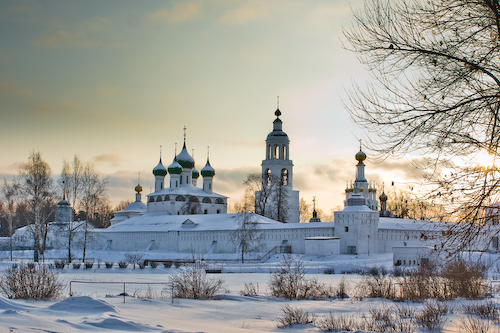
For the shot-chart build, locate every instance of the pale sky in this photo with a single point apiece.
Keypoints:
(111, 81)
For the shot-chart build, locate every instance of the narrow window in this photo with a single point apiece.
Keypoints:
(346, 229)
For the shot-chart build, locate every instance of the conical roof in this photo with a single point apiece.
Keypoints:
(175, 168)
(160, 170)
(184, 159)
(207, 170)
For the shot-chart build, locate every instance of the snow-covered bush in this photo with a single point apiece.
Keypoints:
(472, 324)
(153, 264)
(292, 316)
(30, 281)
(486, 310)
(109, 264)
(122, 264)
(432, 316)
(133, 258)
(193, 282)
(59, 264)
(89, 264)
(289, 281)
(76, 265)
(250, 289)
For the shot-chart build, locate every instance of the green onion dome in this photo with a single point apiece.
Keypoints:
(175, 168)
(207, 170)
(195, 174)
(160, 170)
(184, 159)
(360, 156)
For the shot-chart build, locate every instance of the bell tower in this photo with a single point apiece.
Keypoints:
(281, 201)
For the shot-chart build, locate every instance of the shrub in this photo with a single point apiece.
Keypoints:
(89, 264)
(293, 316)
(76, 265)
(133, 258)
(142, 265)
(153, 264)
(167, 264)
(486, 310)
(465, 279)
(59, 264)
(109, 264)
(471, 324)
(30, 282)
(250, 289)
(333, 323)
(122, 264)
(288, 281)
(31, 265)
(193, 282)
(432, 316)
(341, 291)
(177, 264)
(329, 270)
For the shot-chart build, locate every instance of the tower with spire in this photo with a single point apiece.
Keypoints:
(367, 190)
(159, 172)
(282, 201)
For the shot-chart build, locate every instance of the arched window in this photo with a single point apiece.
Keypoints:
(284, 177)
(276, 151)
(193, 199)
(269, 152)
(219, 201)
(267, 177)
(283, 152)
(206, 200)
(180, 198)
(151, 199)
(167, 198)
(158, 199)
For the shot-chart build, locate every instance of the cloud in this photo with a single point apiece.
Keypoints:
(80, 36)
(111, 158)
(248, 12)
(180, 12)
(107, 90)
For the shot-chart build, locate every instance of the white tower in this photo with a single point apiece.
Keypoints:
(208, 174)
(361, 185)
(159, 172)
(277, 177)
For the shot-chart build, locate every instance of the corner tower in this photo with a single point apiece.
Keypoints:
(277, 199)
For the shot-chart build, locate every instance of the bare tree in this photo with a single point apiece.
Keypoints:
(262, 194)
(71, 184)
(71, 180)
(10, 193)
(36, 187)
(279, 201)
(435, 92)
(94, 188)
(304, 210)
(247, 237)
(271, 195)
(191, 206)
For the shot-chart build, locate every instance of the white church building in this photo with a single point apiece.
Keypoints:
(183, 217)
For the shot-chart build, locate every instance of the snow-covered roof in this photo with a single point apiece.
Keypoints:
(409, 224)
(186, 189)
(136, 206)
(360, 208)
(162, 222)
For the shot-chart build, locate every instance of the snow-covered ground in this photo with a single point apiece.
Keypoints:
(100, 308)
